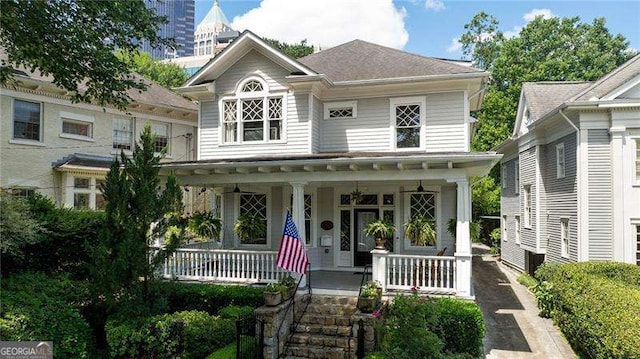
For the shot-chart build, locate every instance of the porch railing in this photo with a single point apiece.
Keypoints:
(221, 265)
(424, 273)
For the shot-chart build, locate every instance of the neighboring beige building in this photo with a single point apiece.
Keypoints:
(63, 150)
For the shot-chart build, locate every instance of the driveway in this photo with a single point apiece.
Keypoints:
(514, 329)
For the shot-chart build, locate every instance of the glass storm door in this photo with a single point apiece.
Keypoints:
(363, 243)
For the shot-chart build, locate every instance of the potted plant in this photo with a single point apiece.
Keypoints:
(249, 228)
(273, 294)
(289, 283)
(370, 296)
(381, 230)
(420, 231)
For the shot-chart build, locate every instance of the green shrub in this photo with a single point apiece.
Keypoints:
(545, 271)
(45, 308)
(597, 307)
(205, 297)
(460, 326)
(235, 312)
(526, 280)
(188, 334)
(544, 298)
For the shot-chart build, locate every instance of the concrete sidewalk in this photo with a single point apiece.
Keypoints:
(514, 329)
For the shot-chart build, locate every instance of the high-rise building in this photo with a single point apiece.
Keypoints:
(213, 33)
(180, 26)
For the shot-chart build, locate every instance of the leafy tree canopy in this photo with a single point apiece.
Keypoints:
(166, 74)
(295, 51)
(74, 41)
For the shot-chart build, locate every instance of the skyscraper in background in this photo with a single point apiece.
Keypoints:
(180, 14)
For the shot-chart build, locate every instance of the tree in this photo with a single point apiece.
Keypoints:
(554, 49)
(166, 74)
(18, 228)
(295, 50)
(137, 213)
(74, 41)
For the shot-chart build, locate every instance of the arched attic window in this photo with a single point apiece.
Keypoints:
(254, 114)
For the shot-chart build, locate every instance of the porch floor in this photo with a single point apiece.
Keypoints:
(337, 280)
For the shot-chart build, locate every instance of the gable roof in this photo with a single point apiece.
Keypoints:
(542, 97)
(360, 60)
(611, 81)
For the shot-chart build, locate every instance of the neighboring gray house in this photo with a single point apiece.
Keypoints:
(571, 172)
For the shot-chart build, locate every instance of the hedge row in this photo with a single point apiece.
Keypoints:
(37, 307)
(596, 305)
(205, 297)
(187, 335)
(419, 327)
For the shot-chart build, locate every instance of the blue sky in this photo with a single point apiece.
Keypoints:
(427, 27)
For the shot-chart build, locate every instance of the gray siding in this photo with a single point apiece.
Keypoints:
(528, 178)
(600, 195)
(562, 198)
(510, 206)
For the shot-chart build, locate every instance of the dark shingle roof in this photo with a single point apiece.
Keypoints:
(84, 160)
(361, 60)
(542, 97)
(612, 80)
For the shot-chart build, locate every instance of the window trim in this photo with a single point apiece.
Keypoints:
(237, 97)
(26, 141)
(78, 119)
(564, 237)
(561, 165)
(402, 101)
(133, 135)
(517, 224)
(505, 230)
(516, 177)
(527, 202)
(168, 127)
(435, 190)
(328, 106)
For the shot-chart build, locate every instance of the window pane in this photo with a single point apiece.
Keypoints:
(80, 182)
(388, 215)
(387, 199)
(229, 119)
(408, 116)
(424, 205)
(253, 131)
(122, 133)
(160, 144)
(252, 86)
(344, 112)
(275, 127)
(345, 199)
(255, 205)
(368, 199)
(408, 137)
(345, 231)
(252, 110)
(26, 120)
(81, 200)
(161, 131)
(76, 128)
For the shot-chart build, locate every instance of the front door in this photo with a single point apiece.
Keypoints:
(363, 243)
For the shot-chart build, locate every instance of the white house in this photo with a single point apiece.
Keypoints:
(571, 172)
(63, 150)
(341, 137)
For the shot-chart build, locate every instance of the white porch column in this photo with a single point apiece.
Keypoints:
(463, 240)
(297, 213)
(379, 267)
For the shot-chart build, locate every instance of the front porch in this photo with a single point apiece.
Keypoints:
(332, 198)
(396, 272)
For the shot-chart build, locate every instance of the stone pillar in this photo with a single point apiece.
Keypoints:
(277, 325)
(379, 267)
(297, 213)
(463, 240)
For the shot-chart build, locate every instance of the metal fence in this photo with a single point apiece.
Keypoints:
(249, 338)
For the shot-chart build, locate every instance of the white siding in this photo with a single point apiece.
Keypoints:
(445, 122)
(369, 132)
(296, 123)
(600, 195)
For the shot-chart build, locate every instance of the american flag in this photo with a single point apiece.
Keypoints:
(292, 254)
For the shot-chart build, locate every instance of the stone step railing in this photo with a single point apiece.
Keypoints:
(221, 265)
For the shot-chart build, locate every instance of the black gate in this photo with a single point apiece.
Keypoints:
(249, 338)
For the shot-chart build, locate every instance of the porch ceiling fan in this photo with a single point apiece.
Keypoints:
(420, 189)
(236, 190)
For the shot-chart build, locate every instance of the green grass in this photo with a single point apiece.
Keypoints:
(527, 280)
(228, 352)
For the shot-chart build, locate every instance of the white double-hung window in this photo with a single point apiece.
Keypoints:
(407, 121)
(254, 114)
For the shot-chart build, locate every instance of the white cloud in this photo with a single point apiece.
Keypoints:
(513, 32)
(455, 45)
(327, 23)
(531, 15)
(435, 5)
